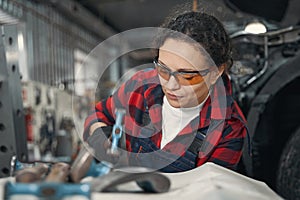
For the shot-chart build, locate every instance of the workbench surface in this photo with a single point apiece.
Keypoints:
(209, 181)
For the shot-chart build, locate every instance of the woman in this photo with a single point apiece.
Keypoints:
(180, 114)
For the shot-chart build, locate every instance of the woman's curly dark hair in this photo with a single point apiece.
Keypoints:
(206, 30)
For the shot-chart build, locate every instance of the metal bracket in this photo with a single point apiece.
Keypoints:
(12, 122)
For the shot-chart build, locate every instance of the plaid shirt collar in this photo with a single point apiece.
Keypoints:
(216, 108)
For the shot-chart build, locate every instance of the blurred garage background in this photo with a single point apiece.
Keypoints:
(45, 84)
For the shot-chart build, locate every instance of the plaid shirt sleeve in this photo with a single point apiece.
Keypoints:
(227, 142)
(104, 110)
(101, 113)
(229, 149)
(130, 96)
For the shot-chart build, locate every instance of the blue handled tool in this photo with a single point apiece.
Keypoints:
(117, 132)
(47, 190)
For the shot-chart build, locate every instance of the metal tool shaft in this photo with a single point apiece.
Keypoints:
(117, 132)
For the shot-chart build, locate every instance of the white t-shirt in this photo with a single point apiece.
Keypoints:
(175, 119)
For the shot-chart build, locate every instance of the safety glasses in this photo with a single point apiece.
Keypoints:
(183, 77)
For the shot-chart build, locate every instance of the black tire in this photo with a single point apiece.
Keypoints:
(288, 178)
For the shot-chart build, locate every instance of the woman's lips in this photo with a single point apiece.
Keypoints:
(173, 96)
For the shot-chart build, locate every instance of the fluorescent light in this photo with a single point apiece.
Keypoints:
(255, 28)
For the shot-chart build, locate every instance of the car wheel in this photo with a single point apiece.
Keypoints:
(288, 176)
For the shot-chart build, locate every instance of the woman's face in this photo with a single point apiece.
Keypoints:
(181, 56)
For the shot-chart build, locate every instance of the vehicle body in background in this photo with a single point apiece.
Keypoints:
(266, 80)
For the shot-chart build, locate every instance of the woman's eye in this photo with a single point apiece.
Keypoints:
(188, 76)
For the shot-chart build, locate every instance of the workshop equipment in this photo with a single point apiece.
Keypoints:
(27, 172)
(36, 172)
(15, 165)
(149, 181)
(59, 173)
(107, 178)
(31, 174)
(12, 121)
(54, 187)
(46, 190)
(85, 165)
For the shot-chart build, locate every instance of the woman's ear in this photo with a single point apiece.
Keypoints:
(221, 69)
(215, 74)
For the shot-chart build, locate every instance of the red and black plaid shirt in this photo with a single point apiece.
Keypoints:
(220, 113)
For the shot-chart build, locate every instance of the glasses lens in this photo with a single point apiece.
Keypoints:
(163, 72)
(189, 78)
(183, 78)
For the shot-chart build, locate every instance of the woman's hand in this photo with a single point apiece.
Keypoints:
(95, 126)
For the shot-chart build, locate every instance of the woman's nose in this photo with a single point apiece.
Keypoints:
(172, 83)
